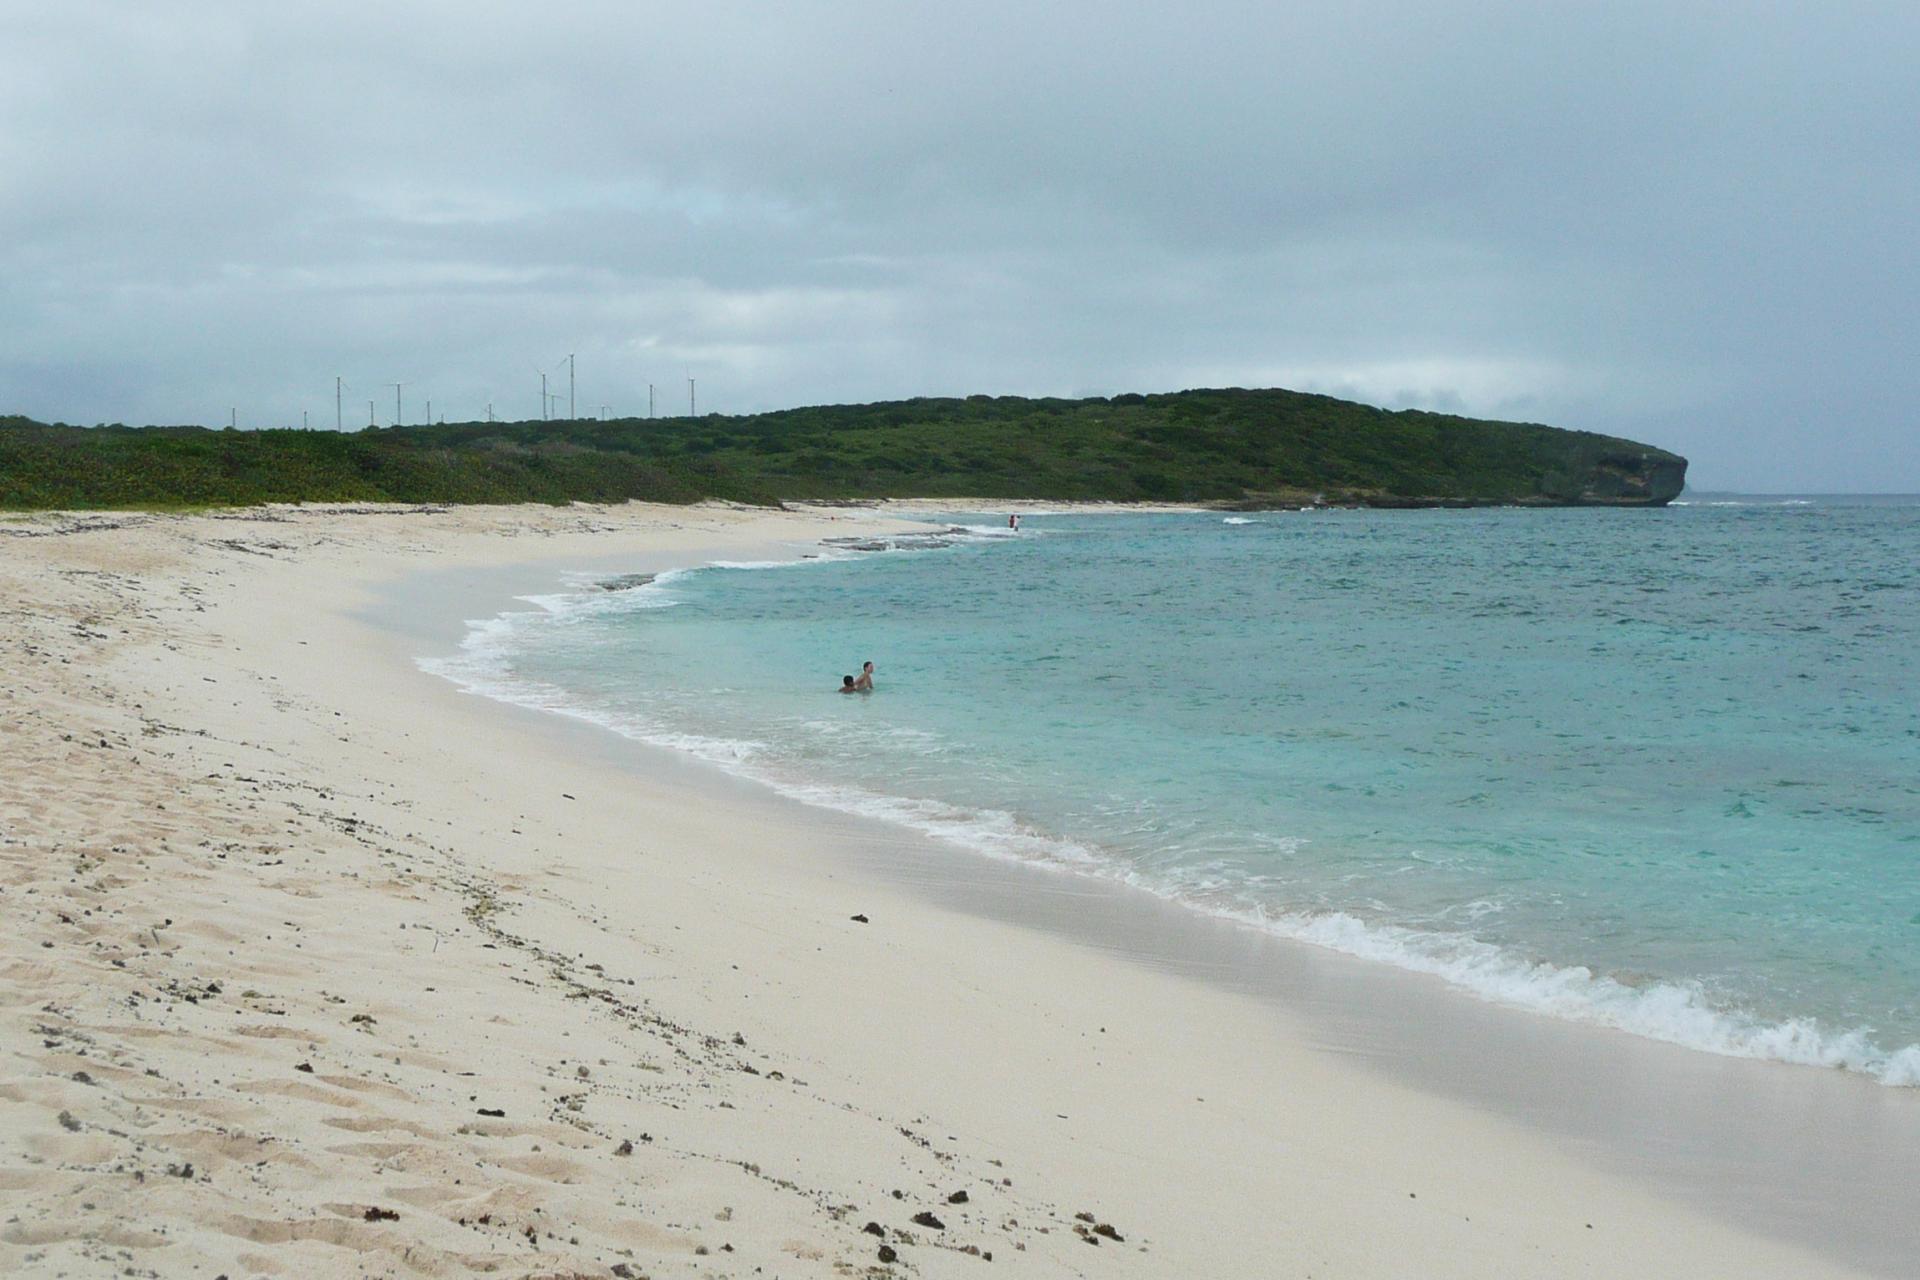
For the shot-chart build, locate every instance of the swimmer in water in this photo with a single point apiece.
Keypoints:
(865, 683)
(846, 685)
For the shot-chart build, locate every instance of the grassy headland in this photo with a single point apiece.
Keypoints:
(1230, 447)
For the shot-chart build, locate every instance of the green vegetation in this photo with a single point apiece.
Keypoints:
(1231, 447)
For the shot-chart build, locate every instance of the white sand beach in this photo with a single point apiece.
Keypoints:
(315, 966)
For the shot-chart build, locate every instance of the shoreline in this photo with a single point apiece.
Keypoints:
(547, 873)
(1666, 1011)
(1616, 1092)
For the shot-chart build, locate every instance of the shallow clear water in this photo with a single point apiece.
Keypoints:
(1655, 769)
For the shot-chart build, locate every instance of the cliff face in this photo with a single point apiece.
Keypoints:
(1612, 476)
(1651, 478)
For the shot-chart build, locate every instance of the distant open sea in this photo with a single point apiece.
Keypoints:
(1654, 769)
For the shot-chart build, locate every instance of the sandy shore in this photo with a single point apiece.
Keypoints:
(314, 966)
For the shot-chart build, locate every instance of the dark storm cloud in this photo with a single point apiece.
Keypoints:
(1687, 223)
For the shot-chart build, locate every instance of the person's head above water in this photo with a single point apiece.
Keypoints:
(846, 682)
(867, 665)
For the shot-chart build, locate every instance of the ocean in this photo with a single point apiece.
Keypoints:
(1653, 769)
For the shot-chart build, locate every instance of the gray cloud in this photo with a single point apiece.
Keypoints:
(1687, 223)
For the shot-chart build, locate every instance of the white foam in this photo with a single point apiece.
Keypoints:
(1677, 1013)
(774, 564)
(988, 530)
(1743, 502)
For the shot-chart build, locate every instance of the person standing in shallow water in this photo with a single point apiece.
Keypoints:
(865, 683)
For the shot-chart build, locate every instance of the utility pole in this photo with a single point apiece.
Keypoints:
(570, 413)
(489, 411)
(396, 399)
(649, 399)
(691, 412)
(543, 397)
(338, 424)
(303, 421)
(371, 420)
(429, 410)
(233, 418)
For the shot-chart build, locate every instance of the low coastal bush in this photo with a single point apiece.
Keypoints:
(1222, 446)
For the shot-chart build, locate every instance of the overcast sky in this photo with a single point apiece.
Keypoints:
(1691, 223)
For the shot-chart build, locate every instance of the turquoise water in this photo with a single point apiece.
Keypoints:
(1654, 769)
